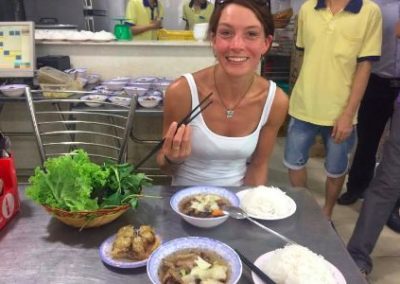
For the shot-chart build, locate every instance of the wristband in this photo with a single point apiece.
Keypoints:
(172, 162)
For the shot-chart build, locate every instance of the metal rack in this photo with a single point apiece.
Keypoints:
(135, 135)
(276, 65)
(59, 128)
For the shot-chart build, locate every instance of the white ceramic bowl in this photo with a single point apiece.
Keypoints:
(94, 100)
(177, 198)
(114, 85)
(125, 101)
(80, 72)
(144, 82)
(133, 90)
(149, 101)
(162, 84)
(199, 243)
(15, 90)
(122, 79)
(93, 78)
(200, 31)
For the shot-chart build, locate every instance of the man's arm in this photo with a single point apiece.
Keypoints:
(131, 14)
(154, 25)
(344, 124)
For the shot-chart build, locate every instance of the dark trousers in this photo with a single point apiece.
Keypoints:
(375, 110)
(380, 198)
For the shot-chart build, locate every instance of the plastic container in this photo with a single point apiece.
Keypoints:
(200, 31)
(49, 75)
(164, 34)
(53, 90)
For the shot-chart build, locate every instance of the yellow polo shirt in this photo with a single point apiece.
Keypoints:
(195, 17)
(137, 14)
(333, 45)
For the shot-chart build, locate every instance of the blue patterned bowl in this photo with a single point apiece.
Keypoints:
(168, 248)
(198, 221)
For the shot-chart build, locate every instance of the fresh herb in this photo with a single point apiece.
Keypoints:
(74, 183)
(122, 185)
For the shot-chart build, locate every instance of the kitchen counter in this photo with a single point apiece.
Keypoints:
(186, 43)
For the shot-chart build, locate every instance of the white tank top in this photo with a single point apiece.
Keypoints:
(215, 159)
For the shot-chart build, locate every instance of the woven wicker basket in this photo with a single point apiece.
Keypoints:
(88, 219)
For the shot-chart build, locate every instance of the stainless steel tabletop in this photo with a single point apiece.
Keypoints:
(36, 248)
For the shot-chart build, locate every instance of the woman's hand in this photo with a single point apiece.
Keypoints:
(177, 145)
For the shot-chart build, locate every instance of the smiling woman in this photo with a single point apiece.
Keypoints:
(230, 143)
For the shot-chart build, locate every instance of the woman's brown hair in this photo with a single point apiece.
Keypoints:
(258, 7)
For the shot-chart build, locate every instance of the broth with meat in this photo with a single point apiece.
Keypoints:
(203, 205)
(194, 266)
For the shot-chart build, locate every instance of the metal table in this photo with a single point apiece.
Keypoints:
(36, 248)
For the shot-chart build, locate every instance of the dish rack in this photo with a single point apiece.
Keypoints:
(164, 34)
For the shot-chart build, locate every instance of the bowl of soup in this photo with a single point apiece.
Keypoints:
(194, 260)
(202, 206)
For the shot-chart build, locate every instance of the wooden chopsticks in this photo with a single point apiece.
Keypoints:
(186, 120)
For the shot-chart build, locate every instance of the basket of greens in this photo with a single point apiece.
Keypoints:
(83, 194)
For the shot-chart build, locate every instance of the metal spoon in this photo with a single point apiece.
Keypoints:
(238, 213)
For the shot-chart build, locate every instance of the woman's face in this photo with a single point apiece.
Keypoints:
(239, 41)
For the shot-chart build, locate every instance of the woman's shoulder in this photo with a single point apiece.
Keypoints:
(178, 88)
(280, 105)
(269, 88)
(280, 96)
(204, 80)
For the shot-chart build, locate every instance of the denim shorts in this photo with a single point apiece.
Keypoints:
(301, 136)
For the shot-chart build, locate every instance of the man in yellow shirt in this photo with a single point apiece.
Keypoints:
(197, 11)
(145, 16)
(340, 39)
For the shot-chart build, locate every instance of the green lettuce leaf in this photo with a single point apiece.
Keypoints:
(67, 182)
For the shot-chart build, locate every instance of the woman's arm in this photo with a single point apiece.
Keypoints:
(177, 145)
(257, 170)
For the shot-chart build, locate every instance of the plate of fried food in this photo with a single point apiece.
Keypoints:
(130, 247)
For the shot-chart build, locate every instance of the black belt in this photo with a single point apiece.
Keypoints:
(391, 82)
(394, 83)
